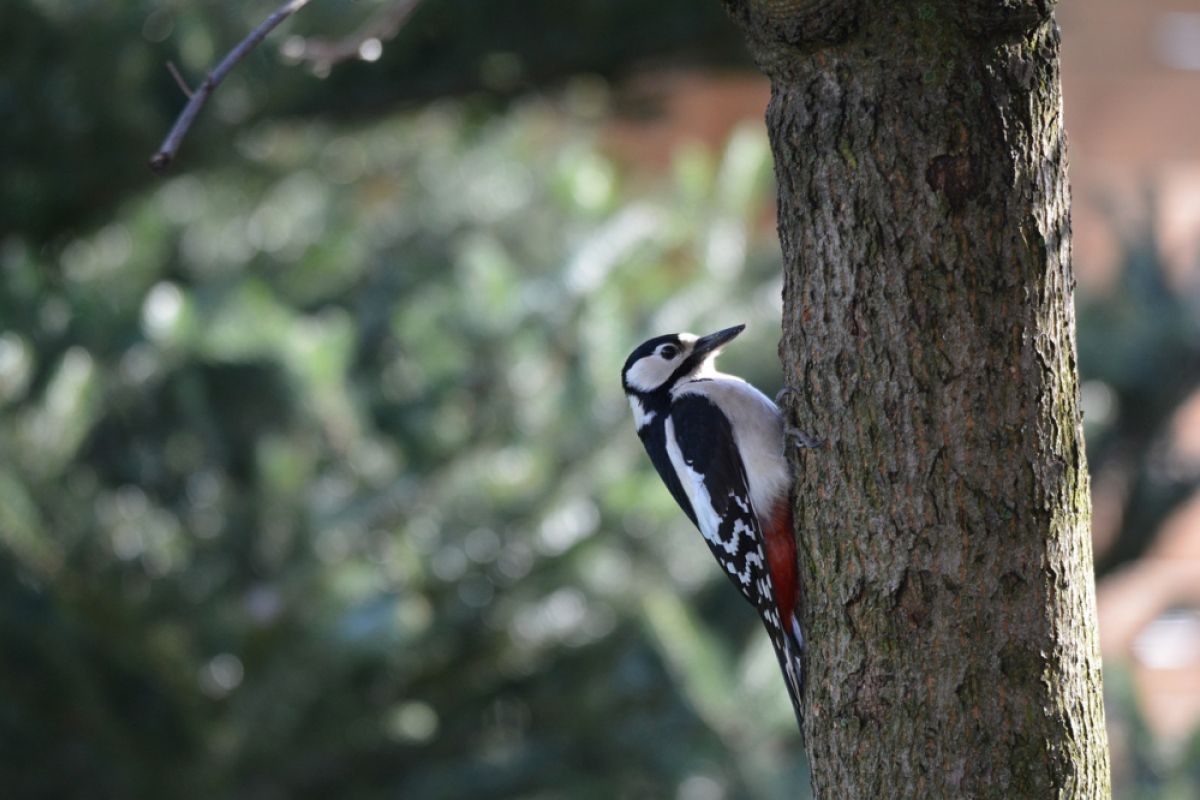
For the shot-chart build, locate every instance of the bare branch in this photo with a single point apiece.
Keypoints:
(170, 146)
(171, 68)
(323, 54)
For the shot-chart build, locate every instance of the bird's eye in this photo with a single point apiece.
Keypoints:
(669, 351)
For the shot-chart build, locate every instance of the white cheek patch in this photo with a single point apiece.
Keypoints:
(649, 373)
(641, 417)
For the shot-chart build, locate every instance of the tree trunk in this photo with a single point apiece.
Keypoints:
(929, 332)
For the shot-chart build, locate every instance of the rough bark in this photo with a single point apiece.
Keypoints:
(929, 332)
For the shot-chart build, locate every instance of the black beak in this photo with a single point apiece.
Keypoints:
(715, 341)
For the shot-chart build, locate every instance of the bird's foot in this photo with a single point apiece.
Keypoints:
(803, 440)
(783, 393)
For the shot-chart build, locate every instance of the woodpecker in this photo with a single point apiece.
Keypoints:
(718, 445)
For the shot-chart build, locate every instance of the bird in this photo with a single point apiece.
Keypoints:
(718, 445)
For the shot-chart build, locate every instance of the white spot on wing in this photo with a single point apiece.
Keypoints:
(744, 538)
(751, 560)
(740, 530)
(707, 518)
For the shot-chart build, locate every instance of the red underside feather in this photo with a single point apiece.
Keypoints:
(781, 559)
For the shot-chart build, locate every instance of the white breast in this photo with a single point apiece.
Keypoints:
(757, 430)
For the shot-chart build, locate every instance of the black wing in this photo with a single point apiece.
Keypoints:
(714, 479)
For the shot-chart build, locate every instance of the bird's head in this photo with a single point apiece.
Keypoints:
(657, 365)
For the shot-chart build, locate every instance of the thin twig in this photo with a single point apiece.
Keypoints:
(171, 68)
(322, 54)
(170, 146)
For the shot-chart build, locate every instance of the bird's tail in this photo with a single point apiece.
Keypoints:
(790, 651)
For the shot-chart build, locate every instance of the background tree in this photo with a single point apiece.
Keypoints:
(929, 328)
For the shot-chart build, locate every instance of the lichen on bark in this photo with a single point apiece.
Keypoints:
(929, 328)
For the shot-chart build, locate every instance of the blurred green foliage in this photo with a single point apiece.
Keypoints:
(318, 480)
(1146, 769)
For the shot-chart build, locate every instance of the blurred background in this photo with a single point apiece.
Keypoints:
(316, 479)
